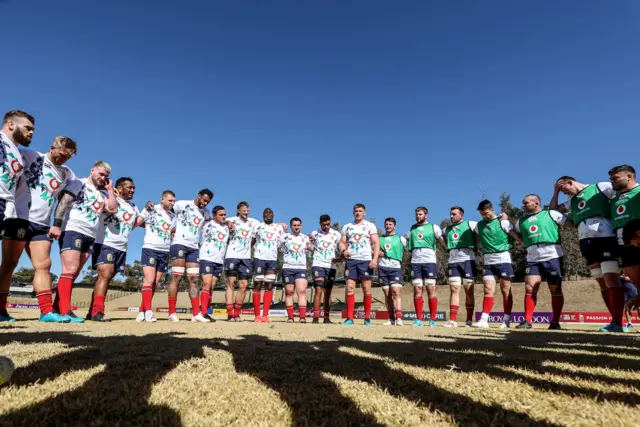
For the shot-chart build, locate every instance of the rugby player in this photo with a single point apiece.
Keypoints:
(625, 208)
(295, 247)
(630, 293)
(422, 238)
(589, 207)
(392, 249)
(17, 129)
(76, 221)
(110, 249)
(191, 216)
(360, 246)
(494, 234)
(215, 236)
(45, 176)
(325, 241)
(540, 231)
(461, 244)
(158, 222)
(237, 262)
(265, 263)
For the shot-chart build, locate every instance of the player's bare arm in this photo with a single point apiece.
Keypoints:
(61, 211)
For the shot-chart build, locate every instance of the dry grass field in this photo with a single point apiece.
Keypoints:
(126, 373)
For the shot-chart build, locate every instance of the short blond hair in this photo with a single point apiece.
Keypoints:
(66, 143)
(102, 164)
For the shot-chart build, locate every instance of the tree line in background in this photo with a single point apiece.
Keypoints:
(575, 267)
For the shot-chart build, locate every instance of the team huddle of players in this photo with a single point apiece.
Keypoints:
(93, 218)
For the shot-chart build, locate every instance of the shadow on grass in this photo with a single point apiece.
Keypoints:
(119, 395)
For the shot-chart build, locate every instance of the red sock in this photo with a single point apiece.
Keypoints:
(606, 297)
(454, 312)
(230, 310)
(98, 305)
(487, 304)
(433, 308)
(268, 297)
(256, 302)
(316, 313)
(302, 309)
(44, 301)
(616, 300)
(289, 311)
(398, 314)
(418, 302)
(205, 297)
(508, 303)
(368, 299)
(351, 304)
(529, 306)
(557, 302)
(237, 309)
(469, 308)
(65, 285)
(3, 300)
(172, 304)
(147, 296)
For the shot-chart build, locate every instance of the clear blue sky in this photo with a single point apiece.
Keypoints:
(308, 107)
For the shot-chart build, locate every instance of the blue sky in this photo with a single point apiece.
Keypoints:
(309, 107)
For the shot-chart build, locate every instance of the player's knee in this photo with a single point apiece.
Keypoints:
(596, 273)
(430, 282)
(270, 278)
(417, 282)
(610, 267)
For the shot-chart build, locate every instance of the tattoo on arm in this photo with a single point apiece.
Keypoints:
(62, 208)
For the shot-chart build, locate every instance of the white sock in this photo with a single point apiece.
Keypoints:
(484, 317)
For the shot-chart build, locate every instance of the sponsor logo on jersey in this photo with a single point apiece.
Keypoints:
(420, 235)
(269, 236)
(387, 246)
(197, 221)
(533, 228)
(325, 244)
(357, 237)
(582, 204)
(16, 166)
(166, 226)
(54, 184)
(220, 236)
(126, 216)
(244, 233)
(455, 236)
(621, 209)
(97, 205)
(296, 247)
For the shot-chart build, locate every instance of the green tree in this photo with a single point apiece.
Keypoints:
(22, 276)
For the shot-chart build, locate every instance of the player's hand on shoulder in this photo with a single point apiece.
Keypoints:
(149, 206)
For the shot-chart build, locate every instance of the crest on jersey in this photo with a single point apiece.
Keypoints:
(180, 253)
(21, 233)
(533, 228)
(109, 257)
(621, 209)
(420, 235)
(152, 260)
(78, 243)
(357, 237)
(582, 204)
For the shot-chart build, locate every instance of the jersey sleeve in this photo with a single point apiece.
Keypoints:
(516, 227)
(372, 229)
(566, 205)
(179, 206)
(443, 231)
(607, 189)
(345, 230)
(473, 225)
(506, 226)
(74, 187)
(558, 217)
(403, 240)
